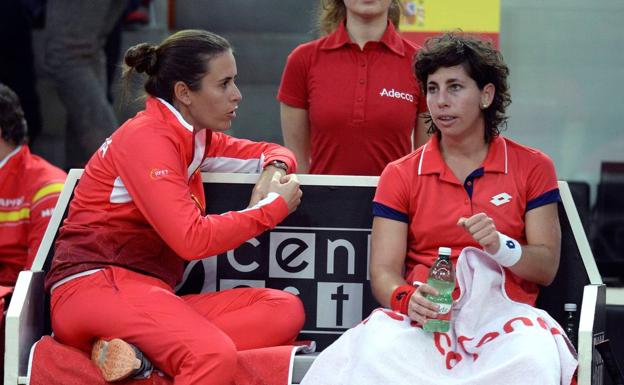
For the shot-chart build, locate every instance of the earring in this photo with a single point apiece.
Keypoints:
(484, 106)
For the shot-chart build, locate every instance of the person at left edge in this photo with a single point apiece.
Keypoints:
(29, 189)
(138, 214)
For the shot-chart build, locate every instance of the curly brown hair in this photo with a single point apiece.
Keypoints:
(482, 62)
(12, 123)
(332, 12)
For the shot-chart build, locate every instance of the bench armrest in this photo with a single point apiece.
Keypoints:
(592, 326)
(24, 325)
(301, 365)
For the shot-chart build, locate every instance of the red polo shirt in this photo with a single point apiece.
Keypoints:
(422, 191)
(362, 103)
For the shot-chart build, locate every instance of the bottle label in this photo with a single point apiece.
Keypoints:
(444, 308)
(444, 311)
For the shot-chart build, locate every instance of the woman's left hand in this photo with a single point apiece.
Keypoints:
(420, 309)
(483, 229)
(261, 189)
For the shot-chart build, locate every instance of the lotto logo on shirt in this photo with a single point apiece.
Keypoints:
(397, 94)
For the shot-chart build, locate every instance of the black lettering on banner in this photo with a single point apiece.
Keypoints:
(332, 247)
(339, 297)
(292, 255)
(327, 268)
(338, 305)
(284, 260)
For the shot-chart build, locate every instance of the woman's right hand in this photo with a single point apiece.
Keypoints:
(288, 187)
(420, 309)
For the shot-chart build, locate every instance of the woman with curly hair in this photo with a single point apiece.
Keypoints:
(480, 194)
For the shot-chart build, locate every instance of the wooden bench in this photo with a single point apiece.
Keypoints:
(321, 253)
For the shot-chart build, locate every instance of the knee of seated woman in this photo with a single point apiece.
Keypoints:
(287, 312)
(207, 343)
(292, 307)
(532, 347)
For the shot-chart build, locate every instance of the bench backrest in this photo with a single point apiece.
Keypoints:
(320, 252)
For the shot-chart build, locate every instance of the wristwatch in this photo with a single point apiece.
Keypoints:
(279, 164)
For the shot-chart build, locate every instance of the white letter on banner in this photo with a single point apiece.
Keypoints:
(240, 267)
(331, 253)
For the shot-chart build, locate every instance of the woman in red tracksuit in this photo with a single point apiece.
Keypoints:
(138, 214)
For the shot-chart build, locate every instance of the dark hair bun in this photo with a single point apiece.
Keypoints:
(142, 57)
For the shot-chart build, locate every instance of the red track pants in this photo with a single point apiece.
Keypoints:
(192, 338)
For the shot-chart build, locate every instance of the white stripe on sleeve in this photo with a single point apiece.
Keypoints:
(225, 164)
(120, 193)
(272, 196)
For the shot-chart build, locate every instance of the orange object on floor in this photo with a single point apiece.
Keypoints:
(116, 359)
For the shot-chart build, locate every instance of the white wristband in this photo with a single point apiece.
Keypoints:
(509, 251)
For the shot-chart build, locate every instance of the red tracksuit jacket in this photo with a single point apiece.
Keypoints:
(140, 202)
(29, 189)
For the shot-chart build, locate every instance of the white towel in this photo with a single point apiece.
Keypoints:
(493, 340)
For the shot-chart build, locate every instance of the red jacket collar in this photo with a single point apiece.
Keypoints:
(431, 161)
(195, 142)
(162, 109)
(18, 153)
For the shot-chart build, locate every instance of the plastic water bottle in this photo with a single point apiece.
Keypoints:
(570, 322)
(442, 278)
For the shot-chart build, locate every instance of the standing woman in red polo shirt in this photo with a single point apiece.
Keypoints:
(138, 213)
(468, 186)
(349, 100)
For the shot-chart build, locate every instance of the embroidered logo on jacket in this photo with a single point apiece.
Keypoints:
(500, 199)
(397, 94)
(158, 173)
